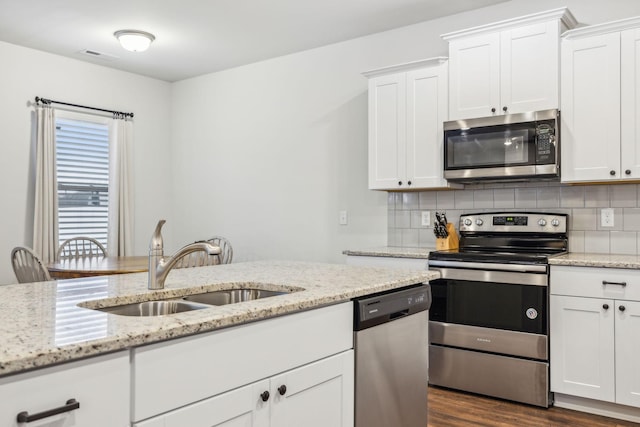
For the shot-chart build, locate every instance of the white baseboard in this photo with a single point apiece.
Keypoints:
(612, 410)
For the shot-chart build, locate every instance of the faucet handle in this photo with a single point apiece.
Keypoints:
(156, 243)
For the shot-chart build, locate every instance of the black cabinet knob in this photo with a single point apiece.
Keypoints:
(493, 110)
(399, 182)
(264, 396)
(628, 172)
(605, 306)
(504, 108)
(282, 390)
(612, 173)
(622, 308)
(408, 182)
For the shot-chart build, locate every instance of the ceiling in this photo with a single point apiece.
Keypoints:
(195, 37)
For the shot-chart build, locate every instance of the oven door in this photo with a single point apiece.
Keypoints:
(491, 311)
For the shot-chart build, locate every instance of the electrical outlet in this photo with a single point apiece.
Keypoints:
(426, 218)
(606, 217)
(343, 217)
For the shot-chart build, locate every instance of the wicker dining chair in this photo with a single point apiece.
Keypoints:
(81, 247)
(27, 266)
(201, 258)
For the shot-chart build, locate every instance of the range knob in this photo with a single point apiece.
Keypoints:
(479, 222)
(467, 222)
(542, 222)
(555, 222)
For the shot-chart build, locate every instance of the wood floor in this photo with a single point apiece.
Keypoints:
(448, 408)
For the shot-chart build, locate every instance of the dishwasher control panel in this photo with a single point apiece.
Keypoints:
(381, 308)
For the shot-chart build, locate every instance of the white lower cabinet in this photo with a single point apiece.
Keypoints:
(99, 385)
(595, 333)
(316, 395)
(218, 378)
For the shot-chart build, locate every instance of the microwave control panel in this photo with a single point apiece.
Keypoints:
(545, 143)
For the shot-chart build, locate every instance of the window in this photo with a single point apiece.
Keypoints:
(82, 162)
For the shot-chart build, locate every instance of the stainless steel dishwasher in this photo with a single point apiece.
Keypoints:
(391, 353)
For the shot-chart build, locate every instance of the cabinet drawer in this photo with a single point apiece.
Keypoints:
(595, 282)
(176, 373)
(100, 385)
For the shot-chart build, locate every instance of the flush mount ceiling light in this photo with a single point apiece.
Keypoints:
(134, 40)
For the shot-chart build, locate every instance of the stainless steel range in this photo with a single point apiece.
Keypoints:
(488, 322)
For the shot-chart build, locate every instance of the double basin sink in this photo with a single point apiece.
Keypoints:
(192, 302)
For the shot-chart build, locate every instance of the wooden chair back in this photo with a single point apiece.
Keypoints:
(81, 247)
(201, 258)
(27, 266)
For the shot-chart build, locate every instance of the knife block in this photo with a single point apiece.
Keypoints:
(449, 242)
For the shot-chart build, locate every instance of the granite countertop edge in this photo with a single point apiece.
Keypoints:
(574, 259)
(31, 339)
(580, 259)
(391, 252)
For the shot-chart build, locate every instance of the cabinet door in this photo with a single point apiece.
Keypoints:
(582, 347)
(474, 76)
(529, 68)
(630, 104)
(387, 132)
(100, 385)
(426, 110)
(590, 104)
(627, 351)
(242, 407)
(317, 395)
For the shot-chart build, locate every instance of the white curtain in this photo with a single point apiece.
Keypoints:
(120, 237)
(45, 218)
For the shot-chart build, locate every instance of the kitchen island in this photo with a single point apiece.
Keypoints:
(43, 327)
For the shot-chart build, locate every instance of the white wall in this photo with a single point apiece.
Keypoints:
(267, 154)
(26, 73)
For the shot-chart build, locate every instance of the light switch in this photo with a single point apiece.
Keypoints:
(343, 217)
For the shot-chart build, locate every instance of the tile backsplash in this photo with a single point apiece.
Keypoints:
(583, 204)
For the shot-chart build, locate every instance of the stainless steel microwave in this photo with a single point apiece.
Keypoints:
(513, 146)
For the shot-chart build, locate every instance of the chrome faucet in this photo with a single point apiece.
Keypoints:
(159, 266)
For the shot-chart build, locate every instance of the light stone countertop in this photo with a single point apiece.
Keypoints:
(390, 251)
(577, 259)
(41, 323)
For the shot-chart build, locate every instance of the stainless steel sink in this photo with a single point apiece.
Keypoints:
(231, 296)
(153, 308)
(181, 304)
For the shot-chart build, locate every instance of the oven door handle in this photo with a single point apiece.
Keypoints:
(519, 268)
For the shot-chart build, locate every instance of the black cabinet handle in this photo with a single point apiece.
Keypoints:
(282, 390)
(264, 396)
(612, 173)
(628, 172)
(622, 308)
(493, 110)
(24, 417)
(605, 306)
(504, 108)
(399, 182)
(408, 182)
(623, 284)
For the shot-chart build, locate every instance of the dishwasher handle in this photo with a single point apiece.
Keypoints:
(398, 314)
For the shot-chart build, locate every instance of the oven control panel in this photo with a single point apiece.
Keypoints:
(525, 222)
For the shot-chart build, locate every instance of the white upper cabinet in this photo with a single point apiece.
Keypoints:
(407, 106)
(508, 67)
(599, 103)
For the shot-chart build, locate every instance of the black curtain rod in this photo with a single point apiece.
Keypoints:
(50, 101)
